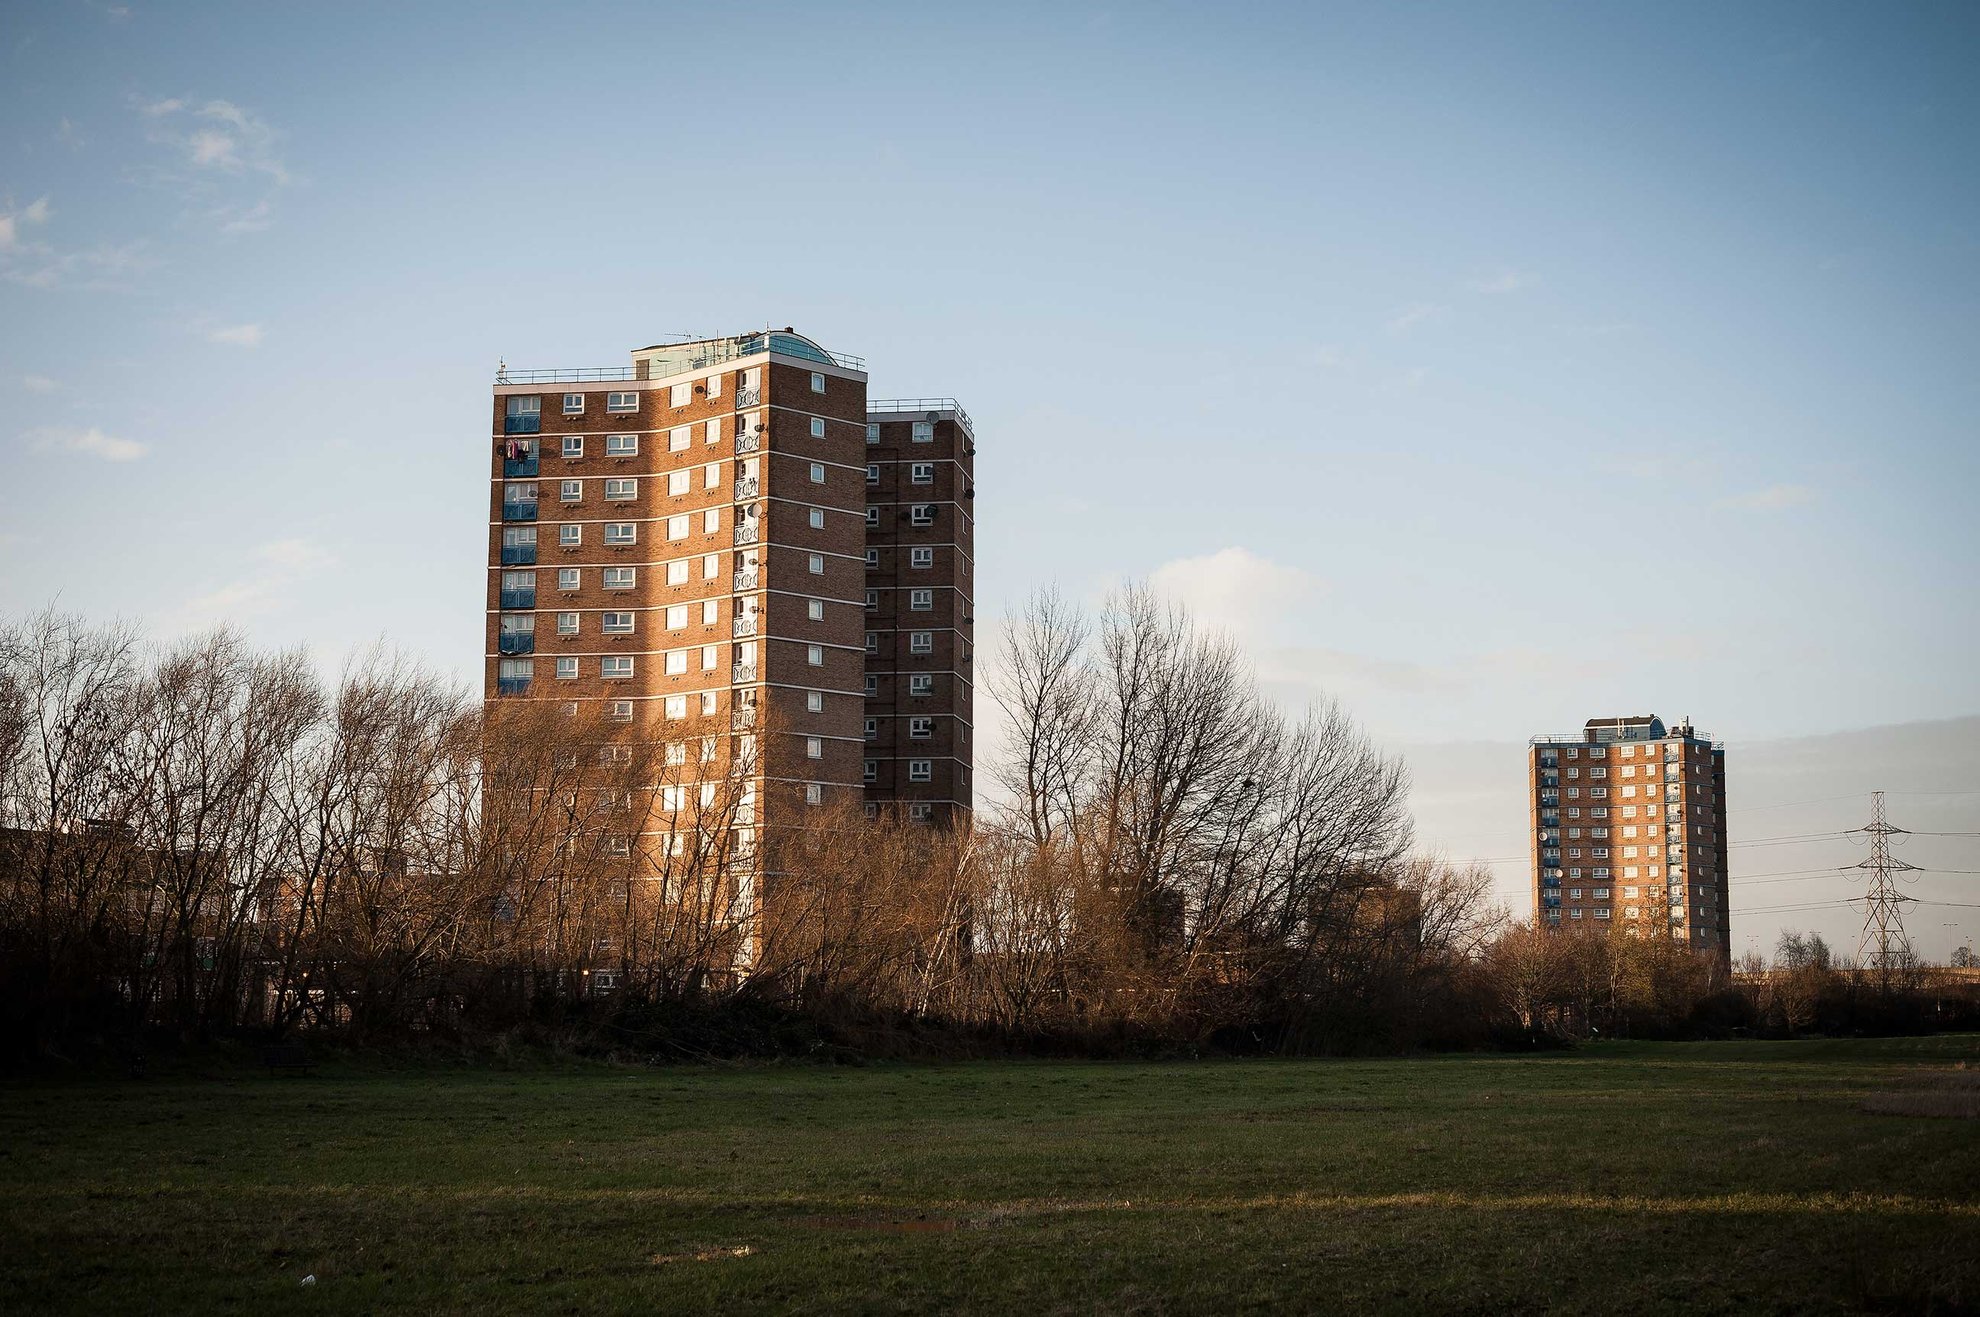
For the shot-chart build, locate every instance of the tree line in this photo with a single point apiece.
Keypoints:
(202, 840)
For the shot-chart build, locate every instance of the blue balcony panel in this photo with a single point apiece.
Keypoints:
(518, 598)
(519, 512)
(518, 555)
(531, 424)
(512, 685)
(513, 467)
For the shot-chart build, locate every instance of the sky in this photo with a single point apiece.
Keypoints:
(1485, 367)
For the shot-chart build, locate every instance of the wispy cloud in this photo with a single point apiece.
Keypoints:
(269, 580)
(1235, 590)
(39, 384)
(1501, 281)
(88, 443)
(1773, 498)
(15, 221)
(219, 147)
(69, 135)
(239, 336)
(1405, 318)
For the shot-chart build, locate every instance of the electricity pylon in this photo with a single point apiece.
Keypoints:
(1883, 945)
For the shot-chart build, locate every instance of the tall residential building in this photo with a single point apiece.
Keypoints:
(1629, 831)
(711, 549)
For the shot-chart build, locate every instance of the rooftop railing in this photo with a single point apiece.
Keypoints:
(667, 360)
(891, 405)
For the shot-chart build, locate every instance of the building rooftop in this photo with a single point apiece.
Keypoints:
(663, 360)
(1627, 727)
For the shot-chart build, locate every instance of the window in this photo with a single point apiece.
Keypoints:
(921, 683)
(676, 706)
(872, 559)
(815, 655)
(619, 711)
(616, 666)
(678, 483)
(714, 432)
(570, 536)
(676, 662)
(573, 445)
(814, 609)
(711, 611)
(679, 438)
(620, 578)
(711, 476)
(873, 642)
(818, 427)
(708, 710)
(814, 701)
(872, 473)
(924, 432)
(711, 566)
(681, 394)
(921, 557)
(813, 793)
(567, 668)
(817, 382)
(816, 564)
(677, 616)
(567, 578)
(872, 516)
(816, 516)
(567, 624)
(814, 748)
(872, 729)
(921, 514)
(621, 403)
(872, 684)
(921, 770)
(921, 642)
(573, 406)
(921, 729)
(571, 491)
(711, 657)
(921, 601)
(869, 771)
(677, 527)
(621, 532)
(872, 432)
(714, 386)
(618, 624)
(922, 473)
(622, 445)
(711, 521)
(872, 600)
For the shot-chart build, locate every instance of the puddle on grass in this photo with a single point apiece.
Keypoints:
(886, 1225)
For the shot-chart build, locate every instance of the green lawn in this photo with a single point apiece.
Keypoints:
(1732, 1177)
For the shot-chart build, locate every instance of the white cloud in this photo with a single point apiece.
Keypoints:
(240, 336)
(219, 150)
(1771, 499)
(1236, 591)
(1502, 281)
(91, 443)
(1405, 318)
(274, 571)
(39, 384)
(243, 219)
(12, 222)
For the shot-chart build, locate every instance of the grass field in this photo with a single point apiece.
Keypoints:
(1625, 1177)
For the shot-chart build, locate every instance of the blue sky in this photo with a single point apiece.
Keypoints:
(1339, 322)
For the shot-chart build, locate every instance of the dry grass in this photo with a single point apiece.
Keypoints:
(1945, 1094)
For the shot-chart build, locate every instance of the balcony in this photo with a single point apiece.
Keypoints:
(742, 672)
(516, 642)
(745, 580)
(518, 466)
(746, 488)
(530, 424)
(518, 555)
(516, 511)
(747, 443)
(518, 599)
(512, 685)
(746, 533)
(749, 397)
(742, 718)
(744, 626)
